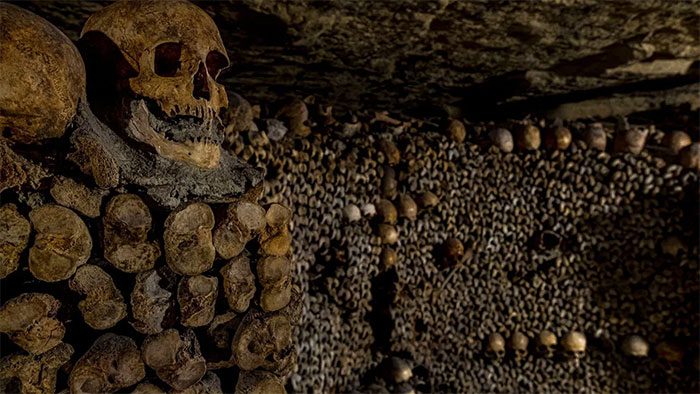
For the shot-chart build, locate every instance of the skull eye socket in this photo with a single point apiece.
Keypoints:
(167, 59)
(216, 61)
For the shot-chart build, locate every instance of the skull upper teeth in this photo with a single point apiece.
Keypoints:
(197, 151)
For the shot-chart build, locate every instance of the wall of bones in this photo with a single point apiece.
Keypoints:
(161, 233)
(135, 253)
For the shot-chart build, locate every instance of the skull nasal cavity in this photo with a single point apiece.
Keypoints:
(167, 59)
(201, 85)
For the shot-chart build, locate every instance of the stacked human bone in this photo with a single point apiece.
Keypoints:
(134, 255)
(569, 244)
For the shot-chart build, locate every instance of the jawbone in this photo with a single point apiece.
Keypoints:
(112, 161)
(201, 154)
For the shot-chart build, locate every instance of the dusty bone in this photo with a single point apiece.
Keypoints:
(101, 153)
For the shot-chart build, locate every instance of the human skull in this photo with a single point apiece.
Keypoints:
(631, 140)
(496, 346)
(635, 346)
(546, 342)
(574, 344)
(43, 77)
(171, 54)
(519, 343)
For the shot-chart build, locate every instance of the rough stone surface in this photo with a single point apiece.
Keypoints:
(441, 51)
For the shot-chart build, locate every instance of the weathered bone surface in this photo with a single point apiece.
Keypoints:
(164, 129)
(127, 222)
(176, 358)
(168, 182)
(157, 154)
(112, 363)
(274, 275)
(150, 302)
(209, 384)
(259, 382)
(147, 388)
(14, 236)
(438, 320)
(189, 249)
(77, 196)
(103, 306)
(30, 321)
(265, 341)
(16, 171)
(62, 243)
(197, 298)
(238, 283)
(43, 77)
(36, 374)
(230, 235)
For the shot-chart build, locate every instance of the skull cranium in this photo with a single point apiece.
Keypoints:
(43, 77)
(151, 70)
(168, 71)
(496, 346)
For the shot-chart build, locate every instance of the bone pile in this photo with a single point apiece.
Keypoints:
(219, 298)
(108, 285)
(518, 256)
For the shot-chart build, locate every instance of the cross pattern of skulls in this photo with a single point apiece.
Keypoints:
(175, 52)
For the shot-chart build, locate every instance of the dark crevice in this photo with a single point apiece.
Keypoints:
(489, 100)
(384, 288)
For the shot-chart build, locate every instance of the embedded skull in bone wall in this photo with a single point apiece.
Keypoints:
(162, 61)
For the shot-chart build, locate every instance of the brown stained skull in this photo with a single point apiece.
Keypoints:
(496, 346)
(127, 222)
(189, 249)
(112, 363)
(175, 54)
(43, 77)
(62, 243)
